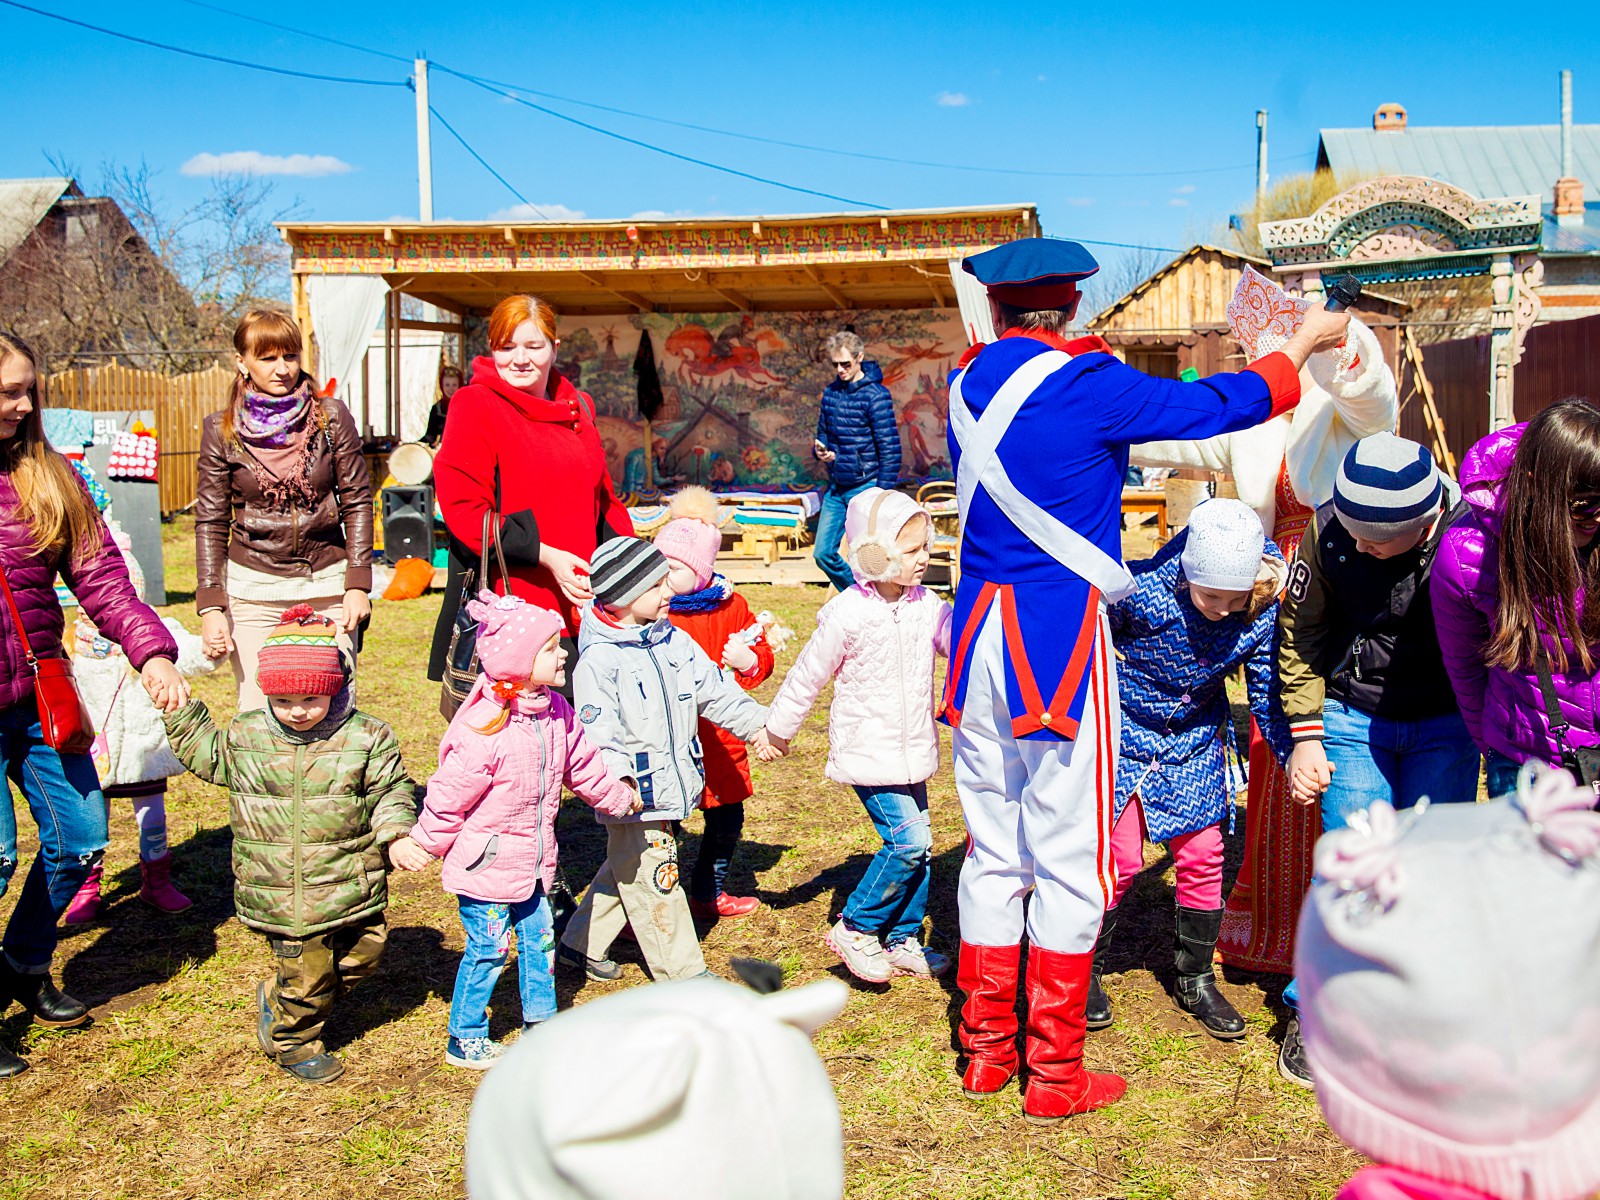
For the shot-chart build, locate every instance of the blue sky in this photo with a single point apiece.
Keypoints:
(1168, 89)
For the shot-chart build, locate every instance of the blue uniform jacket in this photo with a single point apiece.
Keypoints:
(1175, 714)
(1067, 451)
(856, 421)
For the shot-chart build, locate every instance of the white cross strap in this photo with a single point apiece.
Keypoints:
(981, 467)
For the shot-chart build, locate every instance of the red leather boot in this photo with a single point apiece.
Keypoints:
(1058, 1085)
(988, 975)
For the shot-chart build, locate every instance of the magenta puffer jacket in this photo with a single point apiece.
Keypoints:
(1504, 710)
(490, 812)
(102, 587)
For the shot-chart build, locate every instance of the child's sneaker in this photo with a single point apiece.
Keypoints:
(723, 906)
(861, 952)
(601, 969)
(474, 1053)
(911, 957)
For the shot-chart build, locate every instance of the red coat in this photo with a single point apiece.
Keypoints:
(555, 488)
(727, 760)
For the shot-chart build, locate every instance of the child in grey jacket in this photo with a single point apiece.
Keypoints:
(641, 686)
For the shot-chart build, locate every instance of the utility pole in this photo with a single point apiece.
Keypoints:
(419, 84)
(1261, 156)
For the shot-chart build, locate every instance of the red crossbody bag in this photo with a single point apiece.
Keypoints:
(67, 726)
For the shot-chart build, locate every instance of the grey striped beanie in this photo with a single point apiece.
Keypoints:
(621, 570)
(1387, 487)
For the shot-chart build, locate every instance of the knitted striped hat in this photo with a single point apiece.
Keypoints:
(623, 569)
(301, 657)
(1387, 487)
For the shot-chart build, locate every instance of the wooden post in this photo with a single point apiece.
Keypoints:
(649, 464)
(302, 318)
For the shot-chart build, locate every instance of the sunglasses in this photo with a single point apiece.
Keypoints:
(1585, 510)
(849, 362)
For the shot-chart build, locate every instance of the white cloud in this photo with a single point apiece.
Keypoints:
(544, 212)
(952, 100)
(1178, 202)
(1185, 190)
(677, 214)
(253, 162)
(1041, 78)
(1080, 201)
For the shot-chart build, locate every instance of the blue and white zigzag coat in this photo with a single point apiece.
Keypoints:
(1175, 715)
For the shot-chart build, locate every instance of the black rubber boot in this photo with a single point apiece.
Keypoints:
(1097, 1012)
(10, 1064)
(1193, 946)
(41, 997)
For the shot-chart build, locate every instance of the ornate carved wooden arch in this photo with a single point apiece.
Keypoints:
(1406, 227)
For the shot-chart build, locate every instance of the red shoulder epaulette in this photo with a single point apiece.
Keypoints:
(972, 353)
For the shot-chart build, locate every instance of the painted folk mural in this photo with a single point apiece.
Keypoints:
(743, 389)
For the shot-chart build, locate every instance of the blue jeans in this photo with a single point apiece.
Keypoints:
(1500, 774)
(892, 897)
(64, 793)
(830, 532)
(489, 925)
(1378, 758)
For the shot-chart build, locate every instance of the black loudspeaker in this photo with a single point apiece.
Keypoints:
(408, 523)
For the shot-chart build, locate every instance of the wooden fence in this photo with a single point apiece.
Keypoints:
(180, 402)
(1559, 359)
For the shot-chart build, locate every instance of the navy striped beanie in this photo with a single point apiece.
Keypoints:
(1387, 487)
(622, 569)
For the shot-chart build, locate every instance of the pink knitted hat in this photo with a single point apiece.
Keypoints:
(510, 633)
(692, 537)
(1450, 989)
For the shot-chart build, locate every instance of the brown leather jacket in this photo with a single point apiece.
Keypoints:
(231, 522)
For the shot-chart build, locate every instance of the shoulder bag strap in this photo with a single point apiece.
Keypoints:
(16, 620)
(333, 458)
(1552, 702)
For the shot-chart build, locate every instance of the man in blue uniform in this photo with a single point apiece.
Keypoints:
(1039, 434)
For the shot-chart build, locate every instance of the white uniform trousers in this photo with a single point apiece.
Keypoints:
(1038, 812)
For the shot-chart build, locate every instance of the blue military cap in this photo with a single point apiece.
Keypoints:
(1032, 273)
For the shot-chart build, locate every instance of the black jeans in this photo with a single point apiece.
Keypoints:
(724, 824)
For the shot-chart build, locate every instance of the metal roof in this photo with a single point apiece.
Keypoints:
(1572, 239)
(1488, 161)
(24, 203)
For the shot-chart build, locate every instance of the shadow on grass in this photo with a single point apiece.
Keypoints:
(141, 948)
(415, 966)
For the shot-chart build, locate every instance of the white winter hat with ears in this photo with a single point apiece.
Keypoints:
(601, 1102)
(1224, 546)
(872, 522)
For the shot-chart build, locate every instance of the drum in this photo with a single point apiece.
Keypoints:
(411, 464)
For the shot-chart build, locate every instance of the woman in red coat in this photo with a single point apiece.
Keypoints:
(520, 440)
(706, 607)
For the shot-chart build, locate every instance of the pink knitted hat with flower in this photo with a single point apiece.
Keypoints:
(510, 633)
(1449, 974)
(692, 537)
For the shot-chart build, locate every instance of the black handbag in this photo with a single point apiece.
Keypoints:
(461, 667)
(1581, 762)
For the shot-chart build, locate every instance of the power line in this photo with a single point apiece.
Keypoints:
(465, 145)
(699, 162)
(232, 62)
(318, 37)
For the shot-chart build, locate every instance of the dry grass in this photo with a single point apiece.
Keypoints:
(167, 1094)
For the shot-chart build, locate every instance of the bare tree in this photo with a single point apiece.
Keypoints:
(1126, 271)
(120, 277)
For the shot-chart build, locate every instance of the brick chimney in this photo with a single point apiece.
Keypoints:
(1390, 118)
(1569, 189)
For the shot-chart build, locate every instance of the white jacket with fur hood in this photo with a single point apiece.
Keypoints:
(882, 656)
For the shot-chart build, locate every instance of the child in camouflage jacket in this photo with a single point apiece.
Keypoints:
(317, 792)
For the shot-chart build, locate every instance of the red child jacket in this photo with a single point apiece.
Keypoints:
(727, 760)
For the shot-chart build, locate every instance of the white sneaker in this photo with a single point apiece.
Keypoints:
(911, 957)
(861, 952)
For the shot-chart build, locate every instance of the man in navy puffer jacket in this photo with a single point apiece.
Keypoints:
(858, 440)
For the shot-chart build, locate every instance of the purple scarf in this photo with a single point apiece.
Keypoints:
(270, 421)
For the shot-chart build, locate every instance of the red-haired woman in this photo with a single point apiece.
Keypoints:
(283, 507)
(48, 524)
(521, 440)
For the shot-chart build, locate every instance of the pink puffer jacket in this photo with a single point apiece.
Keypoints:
(1504, 710)
(881, 656)
(490, 811)
(102, 587)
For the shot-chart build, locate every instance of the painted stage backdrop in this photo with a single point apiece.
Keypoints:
(743, 389)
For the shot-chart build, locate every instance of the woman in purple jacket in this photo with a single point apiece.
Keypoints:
(47, 525)
(1510, 587)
